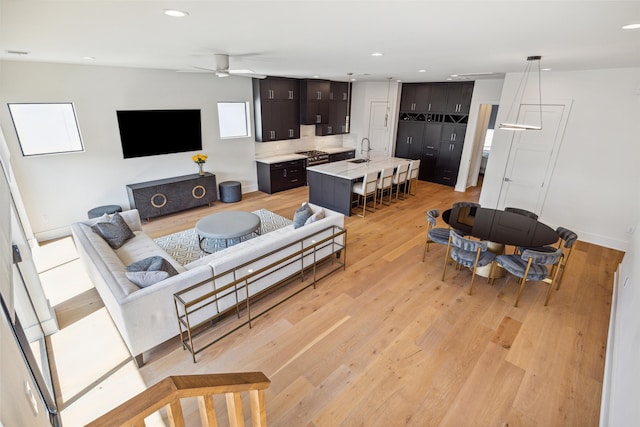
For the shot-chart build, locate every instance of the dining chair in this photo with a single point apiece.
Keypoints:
(532, 265)
(522, 212)
(412, 177)
(400, 177)
(465, 204)
(469, 253)
(364, 189)
(566, 242)
(434, 234)
(385, 183)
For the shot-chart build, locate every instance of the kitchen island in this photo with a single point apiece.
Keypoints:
(330, 184)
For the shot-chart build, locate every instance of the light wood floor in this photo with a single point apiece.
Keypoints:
(387, 343)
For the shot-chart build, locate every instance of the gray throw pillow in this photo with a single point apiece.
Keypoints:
(302, 215)
(149, 271)
(115, 232)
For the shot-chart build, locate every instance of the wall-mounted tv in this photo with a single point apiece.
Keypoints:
(153, 132)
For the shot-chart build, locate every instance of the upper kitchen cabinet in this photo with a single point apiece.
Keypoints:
(275, 88)
(336, 123)
(314, 101)
(459, 97)
(415, 97)
(276, 109)
(338, 91)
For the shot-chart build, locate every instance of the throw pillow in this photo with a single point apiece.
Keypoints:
(149, 271)
(302, 215)
(315, 217)
(115, 232)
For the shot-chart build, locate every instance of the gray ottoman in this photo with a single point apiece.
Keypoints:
(230, 191)
(101, 210)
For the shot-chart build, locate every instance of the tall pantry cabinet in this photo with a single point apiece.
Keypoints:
(432, 127)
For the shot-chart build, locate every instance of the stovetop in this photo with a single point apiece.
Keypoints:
(312, 153)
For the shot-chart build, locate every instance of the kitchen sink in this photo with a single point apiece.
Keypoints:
(358, 161)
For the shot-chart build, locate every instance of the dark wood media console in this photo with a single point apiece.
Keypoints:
(169, 195)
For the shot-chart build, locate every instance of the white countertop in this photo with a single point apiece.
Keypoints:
(281, 158)
(348, 170)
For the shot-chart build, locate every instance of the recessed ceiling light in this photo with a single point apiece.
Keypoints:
(399, 81)
(631, 27)
(315, 77)
(449, 78)
(89, 58)
(376, 54)
(545, 69)
(175, 13)
(422, 71)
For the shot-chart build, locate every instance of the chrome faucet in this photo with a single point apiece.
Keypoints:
(368, 148)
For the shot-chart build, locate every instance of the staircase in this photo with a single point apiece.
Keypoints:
(168, 393)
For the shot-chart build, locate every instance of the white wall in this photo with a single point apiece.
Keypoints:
(484, 92)
(622, 370)
(59, 189)
(595, 181)
(362, 96)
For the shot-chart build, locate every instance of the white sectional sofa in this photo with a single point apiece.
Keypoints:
(146, 316)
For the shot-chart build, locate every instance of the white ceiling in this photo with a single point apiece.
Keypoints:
(326, 38)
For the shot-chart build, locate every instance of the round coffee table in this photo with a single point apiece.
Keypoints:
(226, 226)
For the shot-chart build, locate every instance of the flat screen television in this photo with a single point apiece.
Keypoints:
(153, 132)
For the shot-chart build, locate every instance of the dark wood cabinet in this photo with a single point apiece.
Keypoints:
(432, 127)
(314, 101)
(459, 97)
(448, 162)
(165, 196)
(409, 141)
(277, 108)
(274, 177)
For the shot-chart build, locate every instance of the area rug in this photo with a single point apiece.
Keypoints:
(183, 246)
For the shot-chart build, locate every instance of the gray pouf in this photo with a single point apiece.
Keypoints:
(101, 210)
(230, 191)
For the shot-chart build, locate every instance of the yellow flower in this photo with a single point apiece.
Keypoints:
(199, 158)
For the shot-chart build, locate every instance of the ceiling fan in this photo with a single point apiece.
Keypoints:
(221, 63)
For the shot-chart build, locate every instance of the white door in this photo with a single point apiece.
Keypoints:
(532, 157)
(379, 128)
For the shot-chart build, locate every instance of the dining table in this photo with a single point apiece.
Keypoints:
(499, 228)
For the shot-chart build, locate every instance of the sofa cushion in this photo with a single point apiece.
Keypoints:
(149, 271)
(302, 215)
(315, 217)
(115, 232)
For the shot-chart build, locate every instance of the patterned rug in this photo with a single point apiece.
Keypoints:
(183, 246)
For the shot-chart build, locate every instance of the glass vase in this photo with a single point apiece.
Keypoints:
(200, 170)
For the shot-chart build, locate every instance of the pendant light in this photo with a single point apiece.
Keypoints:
(513, 118)
(348, 118)
(386, 111)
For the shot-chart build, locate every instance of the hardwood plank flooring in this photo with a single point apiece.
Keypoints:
(386, 342)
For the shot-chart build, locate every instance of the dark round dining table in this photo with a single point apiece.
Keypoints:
(498, 226)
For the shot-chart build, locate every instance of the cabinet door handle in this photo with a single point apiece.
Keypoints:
(454, 136)
(329, 129)
(271, 94)
(272, 134)
(319, 95)
(294, 180)
(290, 133)
(318, 118)
(290, 94)
(429, 107)
(284, 173)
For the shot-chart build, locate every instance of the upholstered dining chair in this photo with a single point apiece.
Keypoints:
(469, 253)
(522, 212)
(400, 177)
(532, 265)
(385, 183)
(366, 188)
(412, 177)
(434, 234)
(566, 242)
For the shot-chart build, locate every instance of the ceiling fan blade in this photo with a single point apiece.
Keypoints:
(253, 75)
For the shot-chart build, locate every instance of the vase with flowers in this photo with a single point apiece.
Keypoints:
(200, 159)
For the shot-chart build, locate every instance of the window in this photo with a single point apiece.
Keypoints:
(46, 128)
(234, 119)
